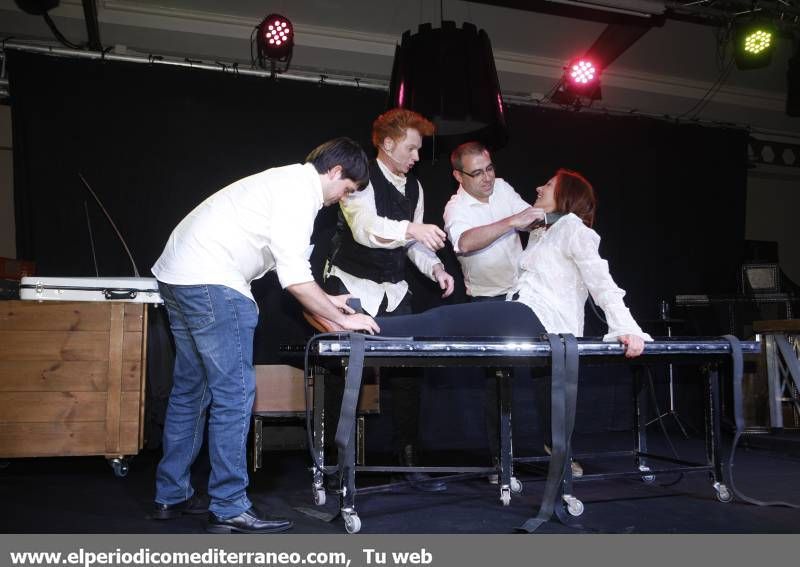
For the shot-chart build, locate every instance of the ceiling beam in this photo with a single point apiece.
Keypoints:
(594, 12)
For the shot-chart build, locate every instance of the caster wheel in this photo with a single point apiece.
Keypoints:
(352, 523)
(505, 496)
(647, 478)
(574, 506)
(723, 494)
(319, 496)
(119, 466)
(515, 485)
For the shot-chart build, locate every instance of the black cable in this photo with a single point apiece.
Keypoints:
(548, 97)
(56, 32)
(652, 397)
(252, 40)
(708, 99)
(722, 37)
(597, 314)
(723, 40)
(662, 426)
(549, 94)
(742, 496)
(708, 94)
(738, 397)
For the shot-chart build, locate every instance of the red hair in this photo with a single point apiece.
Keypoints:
(393, 124)
(574, 194)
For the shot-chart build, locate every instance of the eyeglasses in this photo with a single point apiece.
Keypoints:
(489, 171)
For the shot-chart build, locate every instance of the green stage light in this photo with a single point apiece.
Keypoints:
(757, 41)
(753, 45)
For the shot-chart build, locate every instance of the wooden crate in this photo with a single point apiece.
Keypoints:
(279, 392)
(72, 378)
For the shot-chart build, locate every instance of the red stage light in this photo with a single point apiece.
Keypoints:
(275, 38)
(582, 72)
(580, 83)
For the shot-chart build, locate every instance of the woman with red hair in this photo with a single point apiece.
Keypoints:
(561, 266)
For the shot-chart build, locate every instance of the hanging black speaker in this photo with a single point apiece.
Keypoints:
(36, 7)
(448, 75)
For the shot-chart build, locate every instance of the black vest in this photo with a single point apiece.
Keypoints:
(377, 264)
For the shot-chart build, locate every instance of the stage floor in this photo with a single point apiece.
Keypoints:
(81, 495)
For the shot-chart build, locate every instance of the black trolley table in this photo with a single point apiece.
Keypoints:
(328, 352)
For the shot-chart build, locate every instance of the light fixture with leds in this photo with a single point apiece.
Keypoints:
(754, 42)
(580, 81)
(275, 40)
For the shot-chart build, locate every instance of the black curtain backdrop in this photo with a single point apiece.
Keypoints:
(154, 141)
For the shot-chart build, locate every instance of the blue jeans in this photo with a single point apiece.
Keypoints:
(213, 326)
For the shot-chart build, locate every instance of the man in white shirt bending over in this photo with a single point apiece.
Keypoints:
(378, 229)
(257, 224)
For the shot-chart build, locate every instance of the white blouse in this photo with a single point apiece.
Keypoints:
(559, 268)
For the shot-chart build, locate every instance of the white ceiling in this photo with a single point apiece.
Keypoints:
(665, 72)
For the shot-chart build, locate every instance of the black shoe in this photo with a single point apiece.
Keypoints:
(418, 480)
(425, 482)
(196, 504)
(248, 522)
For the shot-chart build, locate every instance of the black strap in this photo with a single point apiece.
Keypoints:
(352, 388)
(737, 365)
(738, 417)
(563, 396)
(571, 366)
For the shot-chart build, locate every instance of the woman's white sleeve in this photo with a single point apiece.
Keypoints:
(584, 249)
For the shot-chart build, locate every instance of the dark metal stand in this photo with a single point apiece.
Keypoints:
(670, 411)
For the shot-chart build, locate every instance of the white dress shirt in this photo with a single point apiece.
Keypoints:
(492, 270)
(559, 268)
(254, 225)
(367, 228)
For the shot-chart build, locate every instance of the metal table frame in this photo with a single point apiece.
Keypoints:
(507, 353)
